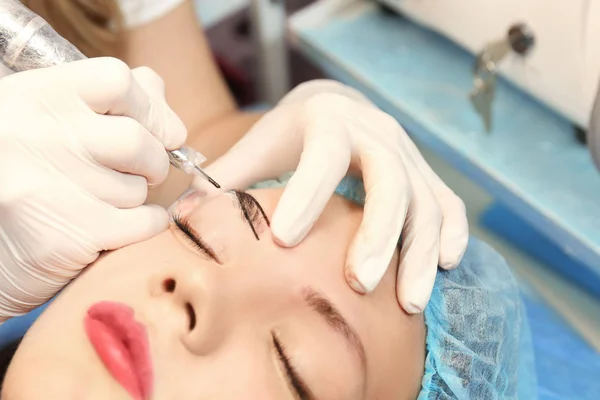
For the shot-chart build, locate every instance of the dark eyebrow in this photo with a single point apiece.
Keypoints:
(336, 321)
(186, 228)
(251, 209)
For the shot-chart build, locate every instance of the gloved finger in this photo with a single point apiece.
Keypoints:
(150, 81)
(388, 194)
(454, 235)
(134, 225)
(258, 155)
(113, 187)
(420, 250)
(124, 145)
(323, 164)
(111, 88)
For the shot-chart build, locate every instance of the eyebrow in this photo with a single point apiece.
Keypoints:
(326, 310)
(251, 209)
(252, 212)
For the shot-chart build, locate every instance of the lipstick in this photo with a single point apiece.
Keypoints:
(122, 345)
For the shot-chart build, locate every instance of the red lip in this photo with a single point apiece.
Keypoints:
(122, 344)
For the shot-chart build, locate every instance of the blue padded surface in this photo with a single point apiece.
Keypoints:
(531, 162)
(15, 328)
(504, 222)
(566, 366)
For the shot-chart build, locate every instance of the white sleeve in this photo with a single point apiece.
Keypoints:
(140, 12)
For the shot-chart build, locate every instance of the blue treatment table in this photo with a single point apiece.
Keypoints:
(546, 188)
(567, 367)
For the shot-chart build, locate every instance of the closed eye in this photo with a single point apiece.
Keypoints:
(190, 233)
(301, 390)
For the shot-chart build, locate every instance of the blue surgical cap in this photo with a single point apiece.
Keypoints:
(478, 339)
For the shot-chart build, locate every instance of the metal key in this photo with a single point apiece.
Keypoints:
(519, 40)
(482, 97)
(484, 83)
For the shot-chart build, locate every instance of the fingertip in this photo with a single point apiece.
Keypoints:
(355, 284)
(284, 240)
(292, 220)
(449, 265)
(139, 224)
(452, 250)
(413, 308)
(413, 296)
(366, 275)
(157, 217)
(285, 233)
(416, 278)
(414, 302)
(352, 279)
(454, 234)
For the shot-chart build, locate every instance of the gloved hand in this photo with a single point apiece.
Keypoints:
(324, 128)
(79, 143)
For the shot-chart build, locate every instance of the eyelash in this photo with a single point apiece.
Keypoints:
(291, 375)
(186, 228)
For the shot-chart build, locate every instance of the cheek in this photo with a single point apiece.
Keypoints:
(242, 368)
(121, 275)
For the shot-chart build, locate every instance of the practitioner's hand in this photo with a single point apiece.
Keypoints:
(325, 128)
(79, 144)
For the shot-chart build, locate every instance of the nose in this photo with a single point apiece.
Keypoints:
(198, 297)
(217, 301)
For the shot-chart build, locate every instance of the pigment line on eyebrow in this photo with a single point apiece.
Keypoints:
(243, 203)
(335, 320)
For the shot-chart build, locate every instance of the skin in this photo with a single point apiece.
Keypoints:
(256, 290)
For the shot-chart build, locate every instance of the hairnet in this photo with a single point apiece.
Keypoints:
(478, 339)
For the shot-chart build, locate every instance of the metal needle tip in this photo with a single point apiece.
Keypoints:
(208, 178)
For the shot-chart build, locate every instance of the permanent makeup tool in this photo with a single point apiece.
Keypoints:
(27, 42)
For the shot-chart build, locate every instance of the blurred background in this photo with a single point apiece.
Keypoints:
(230, 34)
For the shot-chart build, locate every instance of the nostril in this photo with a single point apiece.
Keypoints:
(191, 315)
(169, 285)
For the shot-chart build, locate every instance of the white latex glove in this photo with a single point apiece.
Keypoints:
(324, 128)
(79, 143)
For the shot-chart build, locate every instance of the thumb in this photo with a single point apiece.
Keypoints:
(134, 225)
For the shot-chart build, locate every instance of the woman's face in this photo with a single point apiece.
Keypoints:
(236, 317)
